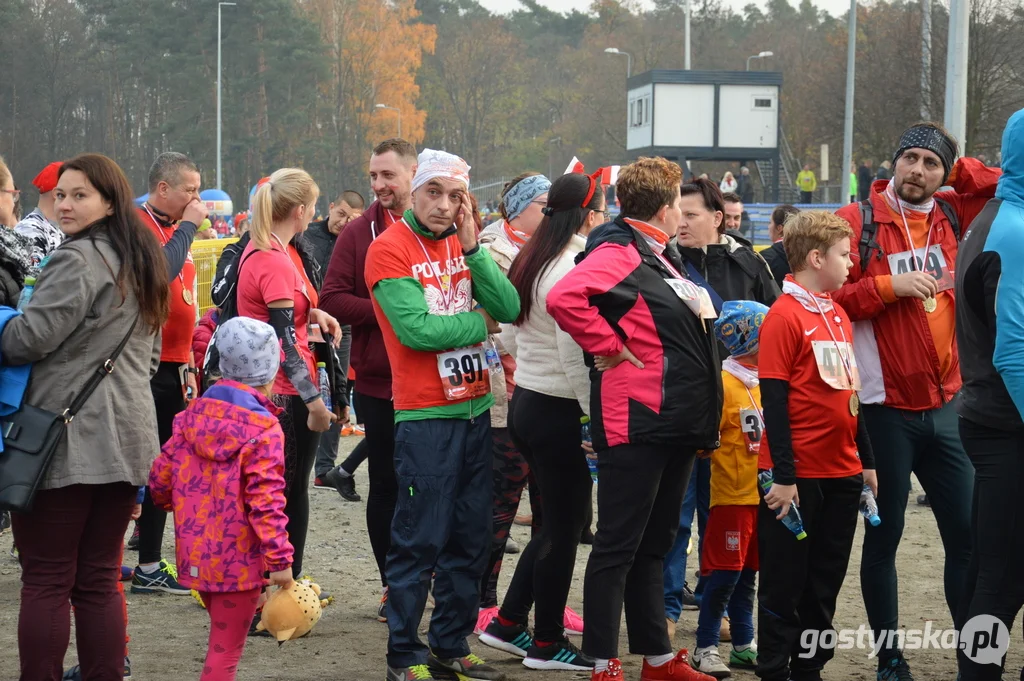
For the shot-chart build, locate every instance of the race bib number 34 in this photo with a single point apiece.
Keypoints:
(753, 428)
(830, 358)
(464, 373)
(934, 264)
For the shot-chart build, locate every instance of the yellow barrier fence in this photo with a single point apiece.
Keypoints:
(206, 253)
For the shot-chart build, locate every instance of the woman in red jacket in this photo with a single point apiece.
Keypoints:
(655, 402)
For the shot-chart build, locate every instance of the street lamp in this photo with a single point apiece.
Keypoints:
(629, 59)
(391, 108)
(219, 5)
(760, 55)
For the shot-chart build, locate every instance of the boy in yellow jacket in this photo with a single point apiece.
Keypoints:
(729, 556)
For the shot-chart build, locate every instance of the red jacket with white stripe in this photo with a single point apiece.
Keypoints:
(899, 365)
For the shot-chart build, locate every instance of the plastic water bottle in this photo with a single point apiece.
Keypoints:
(492, 357)
(325, 384)
(585, 437)
(869, 507)
(792, 520)
(26, 292)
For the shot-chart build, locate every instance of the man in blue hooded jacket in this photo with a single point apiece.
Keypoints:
(990, 331)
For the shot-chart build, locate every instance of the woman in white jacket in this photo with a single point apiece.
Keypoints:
(552, 394)
(728, 183)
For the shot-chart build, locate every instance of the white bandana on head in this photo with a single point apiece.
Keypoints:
(433, 164)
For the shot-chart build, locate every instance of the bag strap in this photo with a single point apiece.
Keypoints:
(869, 227)
(102, 372)
(951, 215)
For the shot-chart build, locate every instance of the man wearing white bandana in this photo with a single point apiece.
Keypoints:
(424, 274)
(900, 298)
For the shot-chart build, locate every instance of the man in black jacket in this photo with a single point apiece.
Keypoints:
(865, 176)
(321, 237)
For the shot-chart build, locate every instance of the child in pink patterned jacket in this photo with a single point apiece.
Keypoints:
(222, 473)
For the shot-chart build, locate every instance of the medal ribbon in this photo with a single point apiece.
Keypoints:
(163, 242)
(446, 291)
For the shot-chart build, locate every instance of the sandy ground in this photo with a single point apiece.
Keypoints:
(169, 632)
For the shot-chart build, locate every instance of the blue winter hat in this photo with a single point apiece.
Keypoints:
(739, 325)
(522, 193)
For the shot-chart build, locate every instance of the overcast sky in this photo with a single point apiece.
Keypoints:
(833, 7)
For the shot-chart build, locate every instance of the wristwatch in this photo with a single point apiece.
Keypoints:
(193, 370)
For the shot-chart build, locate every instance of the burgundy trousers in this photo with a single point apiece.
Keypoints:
(70, 550)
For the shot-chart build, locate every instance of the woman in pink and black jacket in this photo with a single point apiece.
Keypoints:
(656, 400)
(222, 473)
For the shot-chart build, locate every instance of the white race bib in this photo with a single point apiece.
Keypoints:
(464, 373)
(934, 264)
(753, 428)
(830, 357)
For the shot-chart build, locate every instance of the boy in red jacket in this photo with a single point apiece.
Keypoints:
(808, 379)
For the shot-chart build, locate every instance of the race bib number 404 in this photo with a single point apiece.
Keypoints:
(464, 373)
(934, 264)
(833, 359)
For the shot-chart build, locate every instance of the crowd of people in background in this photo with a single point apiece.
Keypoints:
(768, 393)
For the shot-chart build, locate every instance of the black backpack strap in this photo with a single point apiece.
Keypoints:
(950, 213)
(101, 372)
(868, 229)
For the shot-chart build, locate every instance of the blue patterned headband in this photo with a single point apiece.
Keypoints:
(519, 196)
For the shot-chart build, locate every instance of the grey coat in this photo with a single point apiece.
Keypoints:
(74, 321)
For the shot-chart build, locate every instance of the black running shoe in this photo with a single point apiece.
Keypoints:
(468, 668)
(895, 669)
(689, 601)
(345, 484)
(255, 622)
(559, 655)
(515, 639)
(133, 541)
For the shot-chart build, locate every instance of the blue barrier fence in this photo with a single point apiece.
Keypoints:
(760, 215)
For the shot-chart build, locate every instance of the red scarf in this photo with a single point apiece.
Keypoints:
(514, 235)
(649, 230)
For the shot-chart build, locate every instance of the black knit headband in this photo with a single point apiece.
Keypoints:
(927, 137)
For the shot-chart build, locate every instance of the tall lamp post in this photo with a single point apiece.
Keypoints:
(760, 55)
(395, 109)
(629, 59)
(219, 5)
(851, 63)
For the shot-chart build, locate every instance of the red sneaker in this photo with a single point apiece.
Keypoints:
(613, 673)
(676, 669)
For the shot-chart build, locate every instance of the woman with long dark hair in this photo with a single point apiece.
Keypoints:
(552, 393)
(107, 276)
(522, 202)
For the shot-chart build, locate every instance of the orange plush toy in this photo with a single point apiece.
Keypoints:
(291, 613)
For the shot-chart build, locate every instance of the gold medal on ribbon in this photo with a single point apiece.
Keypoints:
(854, 404)
(186, 295)
(930, 305)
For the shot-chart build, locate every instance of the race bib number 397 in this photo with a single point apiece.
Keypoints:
(464, 373)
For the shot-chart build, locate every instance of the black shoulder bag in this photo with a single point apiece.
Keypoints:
(31, 436)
